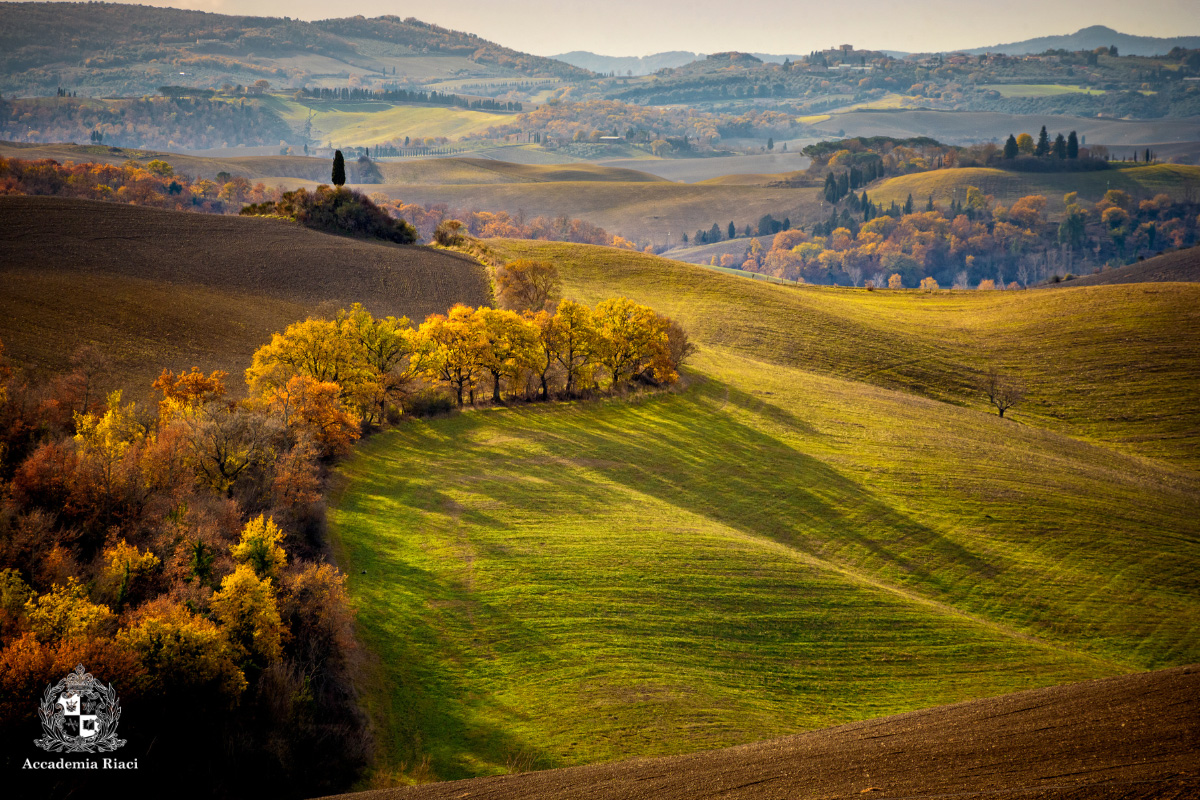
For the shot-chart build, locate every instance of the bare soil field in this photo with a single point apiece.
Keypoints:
(155, 289)
(1130, 737)
(1180, 266)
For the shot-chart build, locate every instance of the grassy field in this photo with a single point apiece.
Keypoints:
(367, 123)
(1037, 89)
(824, 525)
(1140, 181)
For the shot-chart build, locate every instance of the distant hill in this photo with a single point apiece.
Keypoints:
(648, 65)
(638, 65)
(1090, 39)
(110, 48)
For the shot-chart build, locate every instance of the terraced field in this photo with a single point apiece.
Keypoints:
(825, 524)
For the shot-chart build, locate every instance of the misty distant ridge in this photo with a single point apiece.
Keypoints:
(1084, 39)
(648, 65)
(638, 65)
(1090, 39)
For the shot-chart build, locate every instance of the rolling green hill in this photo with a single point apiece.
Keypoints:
(1139, 181)
(362, 124)
(825, 524)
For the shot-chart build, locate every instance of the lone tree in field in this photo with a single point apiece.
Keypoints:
(1002, 391)
(339, 169)
(526, 285)
(449, 233)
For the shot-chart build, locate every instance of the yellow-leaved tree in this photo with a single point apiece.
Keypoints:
(573, 333)
(260, 547)
(65, 612)
(182, 652)
(630, 339)
(457, 352)
(246, 611)
(128, 574)
(510, 346)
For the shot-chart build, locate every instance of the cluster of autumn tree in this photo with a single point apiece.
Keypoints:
(975, 241)
(153, 183)
(175, 551)
(336, 210)
(374, 369)
(153, 122)
(497, 224)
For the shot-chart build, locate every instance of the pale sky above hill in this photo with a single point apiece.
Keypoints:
(641, 27)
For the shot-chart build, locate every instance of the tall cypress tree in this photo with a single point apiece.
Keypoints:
(1072, 145)
(732, 230)
(339, 169)
(1043, 144)
(1010, 147)
(1060, 146)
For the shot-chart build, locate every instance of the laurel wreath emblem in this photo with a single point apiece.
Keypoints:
(56, 739)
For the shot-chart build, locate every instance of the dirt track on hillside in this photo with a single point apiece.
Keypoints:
(1131, 737)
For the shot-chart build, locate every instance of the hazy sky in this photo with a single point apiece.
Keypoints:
(640, 27)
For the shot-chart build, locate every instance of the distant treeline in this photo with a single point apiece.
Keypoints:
(405, 96)
(152, 122)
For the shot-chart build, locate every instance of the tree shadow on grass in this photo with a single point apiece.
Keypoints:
(684, 450)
